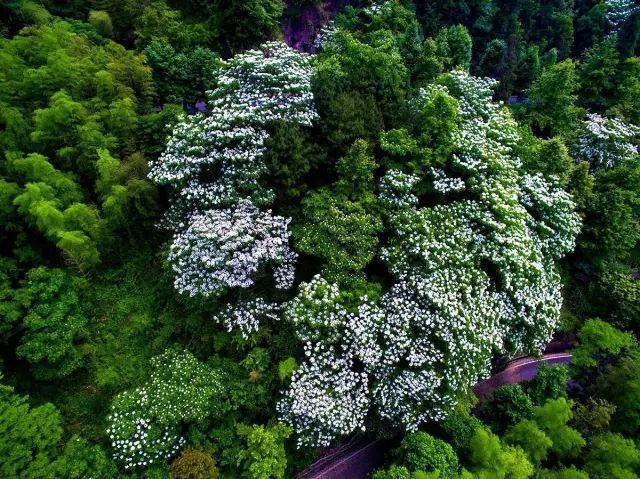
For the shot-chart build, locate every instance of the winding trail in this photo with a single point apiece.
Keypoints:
(518, 370)
(357, 458)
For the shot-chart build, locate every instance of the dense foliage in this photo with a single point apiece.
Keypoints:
(221, 254)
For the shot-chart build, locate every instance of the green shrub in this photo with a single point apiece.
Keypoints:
(264, 456)
(611, 456)
(102, 22)
(593, 415)
(421, 451)
(460, 427)
(552, 418)
(394, 472)
(194, 464)
(550, 383)
(505, 407)
(527, 435)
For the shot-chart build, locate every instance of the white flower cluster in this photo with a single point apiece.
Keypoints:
(246, 315)
(375, 8)
(473, 276)
(605, 142)
(137, 439)
(444, 184)
(144, 424)
(214, 164)
(395, 191)
(328, 398)
(618, 11)
(226, 248)
(554, 220)
(325, 36)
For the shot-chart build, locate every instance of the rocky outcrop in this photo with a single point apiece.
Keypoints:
(301, 24)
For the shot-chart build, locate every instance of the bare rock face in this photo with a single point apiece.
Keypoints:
(302, 24)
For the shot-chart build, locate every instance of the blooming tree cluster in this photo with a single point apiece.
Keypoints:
(144, 424)
(213, 165)
(473, 275)
(213, 161)
(605, 142)
(375, 8)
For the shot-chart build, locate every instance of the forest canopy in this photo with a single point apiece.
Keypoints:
(236, 234)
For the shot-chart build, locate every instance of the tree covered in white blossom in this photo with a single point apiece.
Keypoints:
(618, 11)
(474, 275)
(213, 165)
(605, 142)
(145, 423)
(213, 161)
(327, 397)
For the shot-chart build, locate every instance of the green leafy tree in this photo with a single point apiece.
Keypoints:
(553, 98)
(612, 229)
(242, 24)
(490, 63)
(460, 427)
(454, 44)
(505, 407)
(10, 310)
(550, 157)
(627, 95)
(264, 456)
(394, 472)
(341, 226)
(29, 437)
(194, 464)
(517, 464)
(359, 88)
(527, 435)
(181, 76)
(421, 451)
(568, 473)
(437, 123)
(101, 22)
(550, 382)
(552, 418)
(80, 460)
(599, 341)
(157, 21)
(623, 300)
(50, 202)
(291, 157)
(611, 456)
(490, 459)
(597, 73)
(593, 416)
(53, 321)
(620, 385)
(69, 98)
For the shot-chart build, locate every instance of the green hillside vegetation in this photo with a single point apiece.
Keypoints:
(221, 256)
